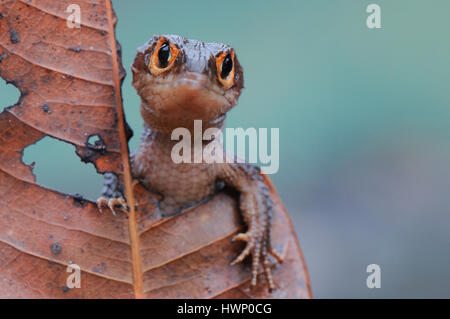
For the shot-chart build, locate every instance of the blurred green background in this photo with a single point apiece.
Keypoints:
(364, 128)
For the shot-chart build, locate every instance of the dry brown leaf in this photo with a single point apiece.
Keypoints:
(69, 81)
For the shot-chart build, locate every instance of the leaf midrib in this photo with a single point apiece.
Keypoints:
(133, 229)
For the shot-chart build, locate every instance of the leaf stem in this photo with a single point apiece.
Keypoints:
(134, 236)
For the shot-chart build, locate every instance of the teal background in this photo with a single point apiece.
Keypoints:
(364, 128)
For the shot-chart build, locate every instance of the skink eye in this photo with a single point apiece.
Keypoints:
(163, 56)
(225, 68)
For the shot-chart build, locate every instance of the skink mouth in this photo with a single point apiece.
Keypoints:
(191, 81)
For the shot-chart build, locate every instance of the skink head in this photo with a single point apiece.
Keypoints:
(181, 80)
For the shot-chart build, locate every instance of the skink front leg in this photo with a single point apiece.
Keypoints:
(256, 208)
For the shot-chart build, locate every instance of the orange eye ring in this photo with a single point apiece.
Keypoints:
(225, 68)
(156, 65)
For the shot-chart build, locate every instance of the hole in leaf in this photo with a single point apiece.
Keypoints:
(56, 166)
(9, 94)
(94, 140)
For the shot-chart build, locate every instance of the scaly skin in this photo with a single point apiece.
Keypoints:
(193, 83)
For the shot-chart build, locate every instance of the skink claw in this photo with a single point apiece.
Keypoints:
(112, 203)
